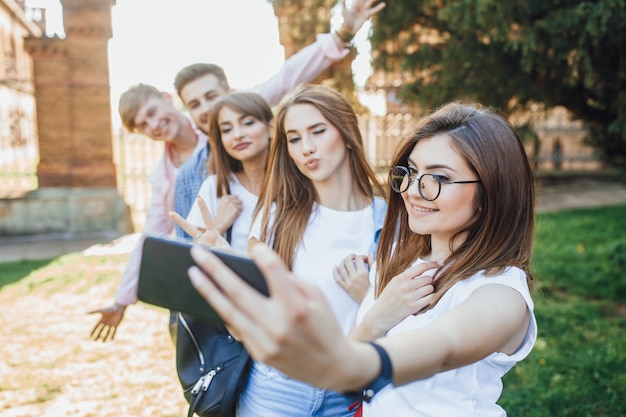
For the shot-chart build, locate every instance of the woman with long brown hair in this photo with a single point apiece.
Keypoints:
(463, 203)
(317, 206)
(240, 130)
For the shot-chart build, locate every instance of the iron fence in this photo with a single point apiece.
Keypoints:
(19, 153)
(135, 156)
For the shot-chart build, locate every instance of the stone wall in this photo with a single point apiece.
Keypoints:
(61, 210)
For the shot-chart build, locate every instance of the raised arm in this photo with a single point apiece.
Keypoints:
(315, 58)
(295, 331)
(355, 16)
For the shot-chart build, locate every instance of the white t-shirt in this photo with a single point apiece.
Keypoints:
(241, 226)
(330, 236)
(471, 390)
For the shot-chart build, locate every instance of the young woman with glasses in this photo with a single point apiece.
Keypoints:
(463, 200)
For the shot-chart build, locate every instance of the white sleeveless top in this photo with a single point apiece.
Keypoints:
(471, 390)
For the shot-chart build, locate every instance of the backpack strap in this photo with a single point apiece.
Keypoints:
(229, 232)
(379, 209)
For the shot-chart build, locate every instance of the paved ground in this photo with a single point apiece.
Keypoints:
(56, 244)
(581, 194)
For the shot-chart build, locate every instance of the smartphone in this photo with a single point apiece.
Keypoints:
(164, 282)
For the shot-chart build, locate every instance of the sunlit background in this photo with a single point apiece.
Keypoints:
(153, 39)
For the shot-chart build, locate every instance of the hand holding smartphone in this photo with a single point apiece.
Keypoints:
(163, 279)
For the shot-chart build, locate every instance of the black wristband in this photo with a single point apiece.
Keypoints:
(384, 377)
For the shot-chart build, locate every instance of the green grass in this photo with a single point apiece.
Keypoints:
(578, 367)
(74, 272)
(582, 252)
(16, 271)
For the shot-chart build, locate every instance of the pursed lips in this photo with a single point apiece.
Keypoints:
(311, 163)
(241, 146)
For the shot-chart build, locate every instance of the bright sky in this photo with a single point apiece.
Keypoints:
(153, 39)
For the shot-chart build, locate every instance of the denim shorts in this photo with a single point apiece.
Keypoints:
(269, 392)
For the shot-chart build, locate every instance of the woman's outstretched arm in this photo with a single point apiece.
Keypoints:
(295, 330)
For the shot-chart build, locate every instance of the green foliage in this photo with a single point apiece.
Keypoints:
(578, 366)
(512, 54)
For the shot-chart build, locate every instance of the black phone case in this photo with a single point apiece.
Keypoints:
(163, 278)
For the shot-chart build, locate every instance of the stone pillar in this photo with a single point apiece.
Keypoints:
(72, 93)
(76, 173)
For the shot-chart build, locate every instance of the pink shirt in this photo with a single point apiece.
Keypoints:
(302, 67)
(158, 222)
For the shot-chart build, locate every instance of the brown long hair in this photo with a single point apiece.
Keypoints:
(249, 104)
(291, 191)
(501, 233)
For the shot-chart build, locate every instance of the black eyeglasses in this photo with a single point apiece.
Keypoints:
(429, 185)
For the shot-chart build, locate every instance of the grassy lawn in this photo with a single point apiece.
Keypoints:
(578, 367)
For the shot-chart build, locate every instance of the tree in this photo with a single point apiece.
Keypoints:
(514, 54)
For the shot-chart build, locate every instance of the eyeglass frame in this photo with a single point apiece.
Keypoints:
(413, 178)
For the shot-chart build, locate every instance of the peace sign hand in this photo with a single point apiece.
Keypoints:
(209, 236)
